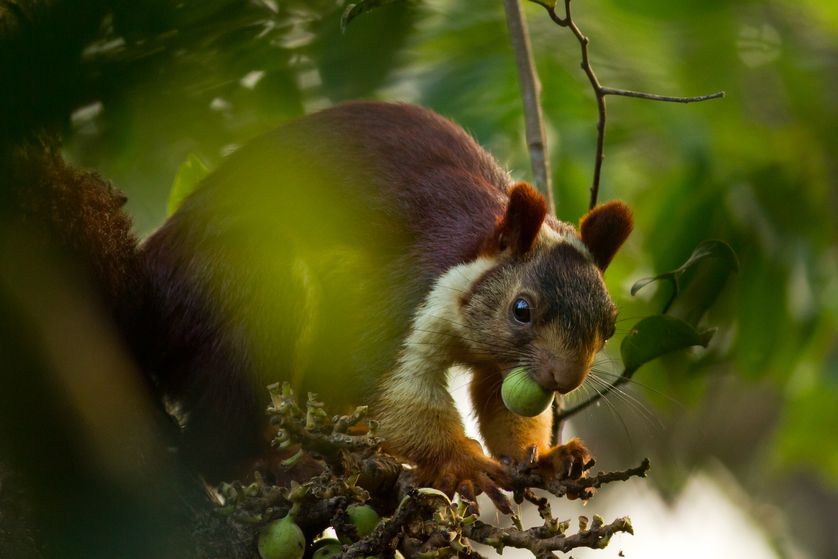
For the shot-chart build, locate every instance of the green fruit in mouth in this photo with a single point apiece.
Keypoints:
(281, 539)
(522, 395)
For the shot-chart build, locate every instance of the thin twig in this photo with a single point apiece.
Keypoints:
(600, 101)
(423, 521)
(538, 541)
(568, 22)
(664, 98)
(526, 475)
(531, 93)
(601, 92)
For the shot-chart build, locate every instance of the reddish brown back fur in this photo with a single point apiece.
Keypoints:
(408, 188)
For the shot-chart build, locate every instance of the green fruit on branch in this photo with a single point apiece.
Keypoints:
(522, 395)
(328, 548)
(281, 539)
(364, 518)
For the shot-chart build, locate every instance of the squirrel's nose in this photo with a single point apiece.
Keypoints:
(562, 376)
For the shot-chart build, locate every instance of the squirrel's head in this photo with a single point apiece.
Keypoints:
(544, 305)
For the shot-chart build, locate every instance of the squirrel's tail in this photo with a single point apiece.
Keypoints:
(80, 438)
(80, 216)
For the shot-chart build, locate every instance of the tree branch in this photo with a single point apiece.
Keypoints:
(600, 101)
(540, 544)
(531, 93)
(656, 97)
(601, 92)
(525, 475)
(424, 521)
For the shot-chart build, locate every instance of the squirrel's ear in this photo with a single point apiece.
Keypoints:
(524, 215)
(604, 229)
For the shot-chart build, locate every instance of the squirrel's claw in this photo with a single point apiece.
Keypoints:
(495, 494)
(469, 489)
(568, 461)
(469, 473)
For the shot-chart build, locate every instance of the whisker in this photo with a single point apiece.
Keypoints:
(631, 401)
(624, 318)
(613, 409)
(634, 382)
(606, 363)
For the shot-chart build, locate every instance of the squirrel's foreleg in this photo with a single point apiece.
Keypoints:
(507, 434)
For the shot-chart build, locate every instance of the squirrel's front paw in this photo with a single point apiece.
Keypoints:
(469, 473)
(568, 461)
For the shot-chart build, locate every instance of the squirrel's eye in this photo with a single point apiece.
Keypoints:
(521, 310)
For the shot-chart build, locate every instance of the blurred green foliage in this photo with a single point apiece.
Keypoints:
(756, 169)
(162, 79)
(188, 177)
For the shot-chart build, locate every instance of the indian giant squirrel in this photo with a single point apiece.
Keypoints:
(359, 252)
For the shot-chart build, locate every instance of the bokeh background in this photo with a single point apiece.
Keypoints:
(743, 436)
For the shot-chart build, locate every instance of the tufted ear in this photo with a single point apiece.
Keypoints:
(604, 229)
(524, 215)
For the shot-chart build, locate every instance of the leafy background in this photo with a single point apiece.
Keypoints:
(148, 84)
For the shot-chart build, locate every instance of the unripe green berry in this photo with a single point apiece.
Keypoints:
(364, 518)
(281, 539)
(522, 395)
(329, 549)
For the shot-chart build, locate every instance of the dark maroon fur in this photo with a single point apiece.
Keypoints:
(524, 216)
(604, 229)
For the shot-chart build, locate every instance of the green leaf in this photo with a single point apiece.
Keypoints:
(189, 174)
(354, 10)
(643, 282)
(712, 248)
(656, 335)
